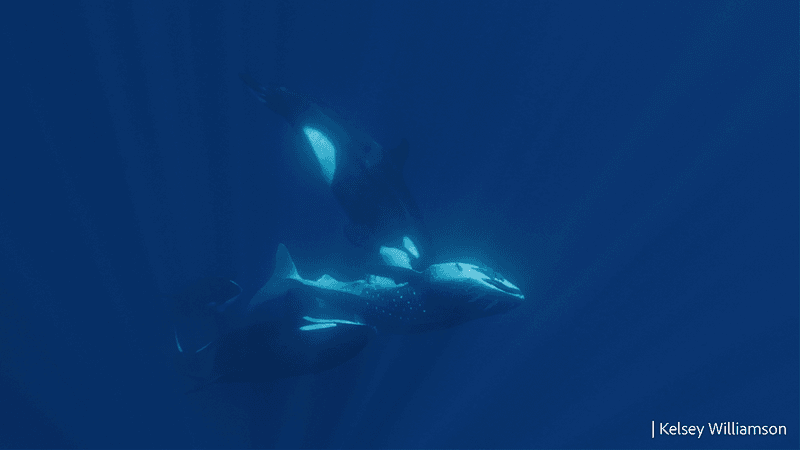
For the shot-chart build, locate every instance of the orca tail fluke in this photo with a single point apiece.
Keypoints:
(283, 278)
(195, 365)
(198, 312)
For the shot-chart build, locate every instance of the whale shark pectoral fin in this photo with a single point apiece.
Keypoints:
(323, 324)
(333, 321)
(317, 326)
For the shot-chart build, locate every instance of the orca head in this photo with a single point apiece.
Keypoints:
(480, 289)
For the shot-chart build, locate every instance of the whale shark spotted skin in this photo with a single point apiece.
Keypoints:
(366, 178)
(401, 300)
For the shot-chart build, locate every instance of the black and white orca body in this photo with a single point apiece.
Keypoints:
(256, 349)
(400, 300)
(366, 179)
(269, 350)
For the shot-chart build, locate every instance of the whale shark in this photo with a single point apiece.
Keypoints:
(257, 349)
(365, 178)
(398, 299)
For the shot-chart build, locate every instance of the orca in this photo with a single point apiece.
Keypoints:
(398, 299)
(365, 178)
(256, 349)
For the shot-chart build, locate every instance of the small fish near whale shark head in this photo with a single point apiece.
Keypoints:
(398, 299)
(365, 178)
(257, 350)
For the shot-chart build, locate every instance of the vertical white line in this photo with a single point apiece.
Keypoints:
(653, 429)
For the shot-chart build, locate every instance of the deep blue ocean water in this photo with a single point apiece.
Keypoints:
(631, 165)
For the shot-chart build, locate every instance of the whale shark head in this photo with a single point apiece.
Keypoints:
(482, 289)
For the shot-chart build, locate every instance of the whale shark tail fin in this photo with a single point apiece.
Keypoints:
(284, 277)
